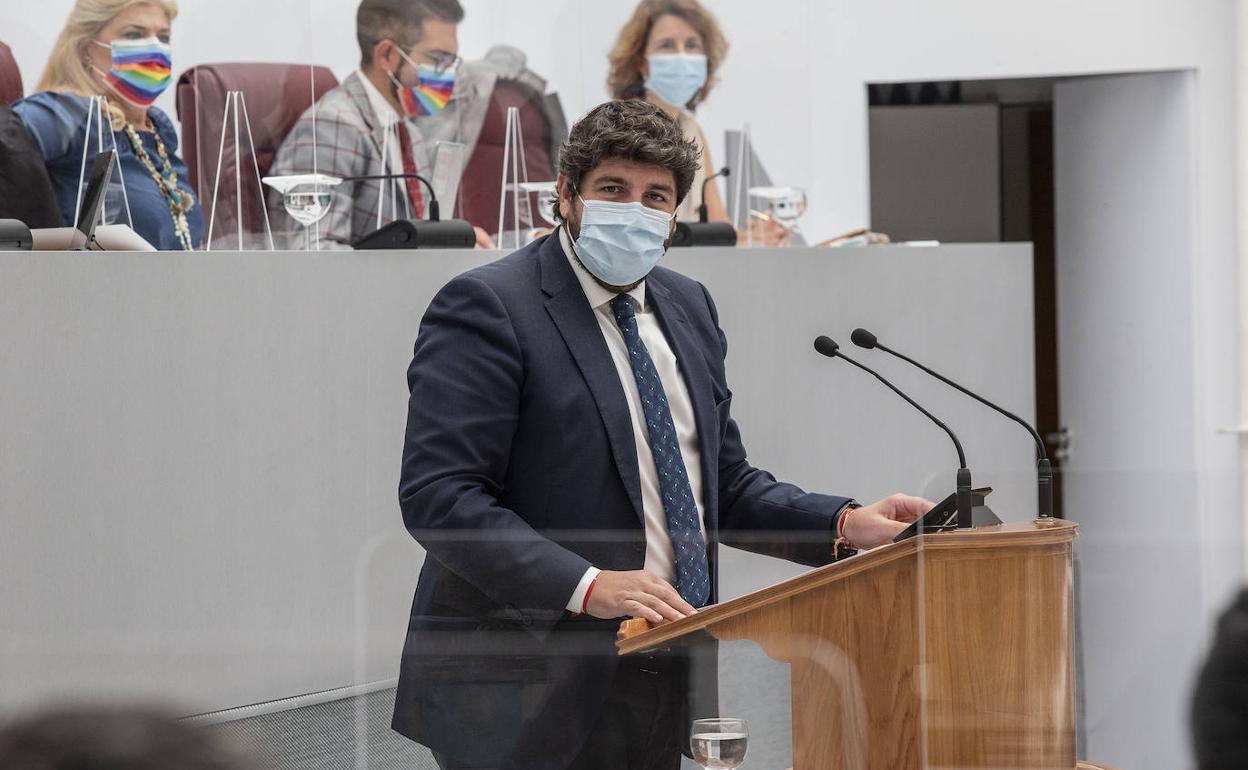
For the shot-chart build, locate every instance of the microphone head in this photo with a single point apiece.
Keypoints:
(864, 339)
(725, 171)
(826, 346)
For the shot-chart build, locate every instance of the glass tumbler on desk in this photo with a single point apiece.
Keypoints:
(719, 744)
(306, 198)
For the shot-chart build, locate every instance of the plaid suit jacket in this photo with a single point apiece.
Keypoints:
(348, 141)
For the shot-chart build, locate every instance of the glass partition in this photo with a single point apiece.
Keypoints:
(203, 453)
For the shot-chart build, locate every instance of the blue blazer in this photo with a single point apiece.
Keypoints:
(520, 472)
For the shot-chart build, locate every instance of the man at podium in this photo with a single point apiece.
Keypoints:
(571, 460)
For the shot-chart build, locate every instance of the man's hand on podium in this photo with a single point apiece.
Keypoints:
(637, 594)
(878, 523)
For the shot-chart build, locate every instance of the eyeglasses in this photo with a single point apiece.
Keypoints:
(442, 61)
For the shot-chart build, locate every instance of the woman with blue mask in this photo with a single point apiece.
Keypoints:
(668, 54)
(119, 50)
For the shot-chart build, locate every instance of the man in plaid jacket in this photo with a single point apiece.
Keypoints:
(408, 48)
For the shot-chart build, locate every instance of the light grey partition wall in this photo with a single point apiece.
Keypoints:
(201, 452)
(201, 458)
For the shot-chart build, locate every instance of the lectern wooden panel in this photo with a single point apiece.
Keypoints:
(950, 650)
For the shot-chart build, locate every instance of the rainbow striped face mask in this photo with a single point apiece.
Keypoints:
(142, 69)
(431, 93)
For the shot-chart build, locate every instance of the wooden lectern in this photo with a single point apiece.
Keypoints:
(947, 650)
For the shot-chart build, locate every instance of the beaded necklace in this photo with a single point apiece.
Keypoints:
(178, 200)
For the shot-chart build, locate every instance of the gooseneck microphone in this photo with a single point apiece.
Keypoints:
(704, 232)
(1044, 470)
(434, 213)
(724, 172)
(433, 233)
(828, 347)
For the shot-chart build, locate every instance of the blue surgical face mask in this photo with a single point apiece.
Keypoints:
(676, 77)
(620, 243)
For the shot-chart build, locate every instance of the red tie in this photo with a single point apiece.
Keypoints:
(409, 167)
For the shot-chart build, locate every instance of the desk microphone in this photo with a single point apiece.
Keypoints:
(702, 232)
(829, 348)
(724, 172)
(409, 234)
(1044, 471)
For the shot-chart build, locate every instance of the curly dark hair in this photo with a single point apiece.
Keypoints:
(629, 130)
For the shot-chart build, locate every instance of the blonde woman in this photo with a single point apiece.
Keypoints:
(118, 49)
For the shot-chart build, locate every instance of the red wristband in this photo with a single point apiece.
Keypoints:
(840, 524)
(588, 591)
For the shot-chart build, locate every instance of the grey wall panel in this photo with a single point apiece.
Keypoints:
(1126, 243)
(936, 172)
(201, 452)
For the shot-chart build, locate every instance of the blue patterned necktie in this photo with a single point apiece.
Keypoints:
(693, 576)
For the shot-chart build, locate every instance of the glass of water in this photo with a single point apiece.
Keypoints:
(306, 197)
(307, 204)
(719, 744)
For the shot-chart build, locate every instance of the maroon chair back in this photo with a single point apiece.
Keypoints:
(483, 174)
(10, 77)
(276, 95)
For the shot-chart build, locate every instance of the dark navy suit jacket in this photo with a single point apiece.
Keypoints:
(520, 472)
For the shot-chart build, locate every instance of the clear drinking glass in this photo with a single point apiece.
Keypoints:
(719, 744)
(306, 197)
(307, 204)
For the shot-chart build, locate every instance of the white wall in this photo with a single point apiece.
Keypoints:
(1241, 213)
(1122, 146)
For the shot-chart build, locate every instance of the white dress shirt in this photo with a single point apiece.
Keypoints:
(660, 556)
(397, 198)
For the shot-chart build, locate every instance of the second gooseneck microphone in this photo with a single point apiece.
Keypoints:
(703, 216)
(704, 232)
(1044, 470)
(432, 233)
(828, 347)
(434, 214)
